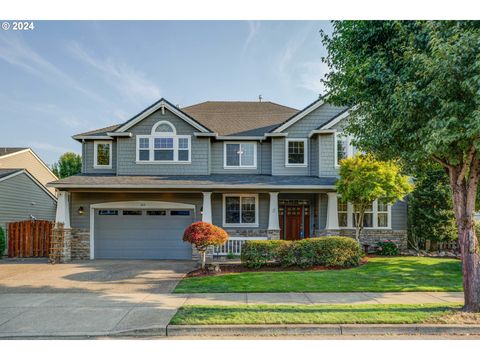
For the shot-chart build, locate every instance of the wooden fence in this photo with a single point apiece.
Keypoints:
(30, 238)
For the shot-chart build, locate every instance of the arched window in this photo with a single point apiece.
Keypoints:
(163, 145)
(163, 127)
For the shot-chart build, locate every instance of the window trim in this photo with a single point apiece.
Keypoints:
(224, 210)
(305, 152)
(336, 135)
(95, 154)
(157, 135)
(240, 166)
(374, 213)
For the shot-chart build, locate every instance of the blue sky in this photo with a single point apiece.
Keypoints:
(67, 77)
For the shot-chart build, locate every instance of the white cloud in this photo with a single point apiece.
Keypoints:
(253, 28)
(14, 50)
(310, 74)
(125, 79)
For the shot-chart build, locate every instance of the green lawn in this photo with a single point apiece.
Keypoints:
(309, 314)
(380, 274)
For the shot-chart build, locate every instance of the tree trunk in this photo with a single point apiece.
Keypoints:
(464, 196)
(202, 255)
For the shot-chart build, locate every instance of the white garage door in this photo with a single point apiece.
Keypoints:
(141, 234)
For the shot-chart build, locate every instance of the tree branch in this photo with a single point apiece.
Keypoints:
(468, 164)
(442, 162)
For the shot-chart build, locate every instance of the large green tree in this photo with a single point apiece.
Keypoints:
(363, 179)
(430, 209)
(68, 164)
(414, 88)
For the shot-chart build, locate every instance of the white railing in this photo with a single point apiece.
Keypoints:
(230, 247)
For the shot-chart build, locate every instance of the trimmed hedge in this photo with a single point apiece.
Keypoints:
(257, 253)
(323, 251)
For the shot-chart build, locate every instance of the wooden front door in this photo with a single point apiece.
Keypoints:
(294, 222)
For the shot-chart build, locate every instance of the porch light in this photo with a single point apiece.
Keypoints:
(201, 210)
(81, 211)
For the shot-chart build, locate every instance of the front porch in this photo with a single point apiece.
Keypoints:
(245, 214)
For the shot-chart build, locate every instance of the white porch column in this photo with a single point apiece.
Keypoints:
(332, 211)
(207, 207)
(273, 214)
(63, 209)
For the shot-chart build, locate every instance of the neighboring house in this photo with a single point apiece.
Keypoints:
(257, 169)
(25, 158)
(23, 197)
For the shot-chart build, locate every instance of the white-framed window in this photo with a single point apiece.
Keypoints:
(377, 216)
(240, 210)
(102, 154)
(240, 155)
(296, 152)
(163, 145)
(343, 147)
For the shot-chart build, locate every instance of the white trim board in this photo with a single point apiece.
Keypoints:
(335, 120)
(193, 186)
(315, 105)
(161, 104)
(38, 183)
(131, 205)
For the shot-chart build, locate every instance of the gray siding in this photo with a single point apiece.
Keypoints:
(327, 155)
(86, 199)
(399, 215)
(314, 153)
(126, 152)
(263, 160)
(88, 152)
(278, 160)
(313, 121)
(21, 197)
(217, 211)
(267, 158)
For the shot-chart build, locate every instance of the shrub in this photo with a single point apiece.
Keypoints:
(3, 243)
(202, 235)
(387, 248)
(257, 253)
(324, 251)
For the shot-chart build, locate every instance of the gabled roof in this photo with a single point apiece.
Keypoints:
(10, 150)
(6, 174)
(299, 115)
(99, 132)
(240, 118)
(158, 105)
(335, 120)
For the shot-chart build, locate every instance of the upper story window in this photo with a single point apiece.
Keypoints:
(240, 155)
(163, 145)
(296, 152)
(102, 155)
(377, 215)
(343, 147)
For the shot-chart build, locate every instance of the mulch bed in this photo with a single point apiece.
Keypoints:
(239, 268)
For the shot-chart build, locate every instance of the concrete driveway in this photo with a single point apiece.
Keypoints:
(92, 298)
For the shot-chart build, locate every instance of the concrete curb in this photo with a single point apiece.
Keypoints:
(327, 329)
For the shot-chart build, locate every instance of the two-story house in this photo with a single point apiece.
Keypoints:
(259, 170)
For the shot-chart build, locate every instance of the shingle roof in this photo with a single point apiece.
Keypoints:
(247, 118)
(198, 182)
(6, 172)
(10, 150)
(100, 132)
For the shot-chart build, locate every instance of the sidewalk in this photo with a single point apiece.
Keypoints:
(322, 298)
(91, 314)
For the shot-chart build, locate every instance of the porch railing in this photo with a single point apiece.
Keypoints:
(230, 247)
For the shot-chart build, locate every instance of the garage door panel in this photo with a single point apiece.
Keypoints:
(141, 236)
